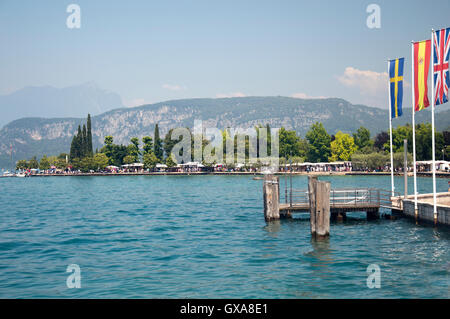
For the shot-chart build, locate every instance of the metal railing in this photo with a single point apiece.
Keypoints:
(350, 197)
(387, 201)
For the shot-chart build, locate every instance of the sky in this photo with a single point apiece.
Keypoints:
(152, 51)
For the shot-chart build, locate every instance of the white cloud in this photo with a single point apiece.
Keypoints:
(235, 94)
(372, 87)
(368, 82)
(306, 96)
(174, 87)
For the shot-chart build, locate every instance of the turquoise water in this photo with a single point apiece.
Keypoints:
(203, 237)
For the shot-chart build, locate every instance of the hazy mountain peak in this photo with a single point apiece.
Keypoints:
(48, 101)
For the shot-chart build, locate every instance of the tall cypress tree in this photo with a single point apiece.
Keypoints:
(79, 143)
(84, 144)
(90, 149)
(158, 144)
(73, 146)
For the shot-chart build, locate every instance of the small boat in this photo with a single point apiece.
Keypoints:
(8, 174)
(21, 175)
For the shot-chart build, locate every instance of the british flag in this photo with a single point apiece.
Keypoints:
(441, 44)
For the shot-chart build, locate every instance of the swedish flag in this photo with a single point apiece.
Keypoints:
(396, 86)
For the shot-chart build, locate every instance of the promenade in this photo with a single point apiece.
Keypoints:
(420, 174)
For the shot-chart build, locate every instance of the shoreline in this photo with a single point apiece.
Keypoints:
(410, 174)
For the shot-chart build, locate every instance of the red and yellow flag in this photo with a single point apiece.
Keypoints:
(422, 54)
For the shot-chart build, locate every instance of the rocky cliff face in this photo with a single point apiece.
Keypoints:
(37, 136)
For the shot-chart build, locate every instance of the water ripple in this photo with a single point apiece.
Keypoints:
(203, 236)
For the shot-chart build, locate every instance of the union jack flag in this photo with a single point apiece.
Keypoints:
(441, 44)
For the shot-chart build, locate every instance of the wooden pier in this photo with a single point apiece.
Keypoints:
(341, 201)
(321, 203)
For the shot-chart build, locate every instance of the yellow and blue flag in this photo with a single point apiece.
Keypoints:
(396, 86)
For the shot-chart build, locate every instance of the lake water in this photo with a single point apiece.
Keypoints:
(204, 237)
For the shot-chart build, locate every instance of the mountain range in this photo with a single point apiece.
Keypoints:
(51, 136)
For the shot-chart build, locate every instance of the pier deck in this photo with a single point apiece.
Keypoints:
(334, 208)
(344, 200)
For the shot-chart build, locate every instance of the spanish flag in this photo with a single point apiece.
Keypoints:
(396, 86)
(422, 54)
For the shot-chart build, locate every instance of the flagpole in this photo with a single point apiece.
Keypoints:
(390, 135)
(432, 128)
(414, 128)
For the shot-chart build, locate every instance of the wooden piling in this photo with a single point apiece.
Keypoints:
(323, 209)
(271, 193)
(312, 181)
(319, 200)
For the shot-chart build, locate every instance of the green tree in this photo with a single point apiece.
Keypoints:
(76, 146)
(75, 163)
(148, 145)
(133, 150)
(302, 148)
(319, 143)
(21, 165)
(73, 147)
(171, 161)
(359, 161)
(204, 143)
(447, 153)
(44, 163)
(372, 161)
(33, 163)
(380, 141)
(84, 143)
(115, 153)
(226, 152)
(342, 148)
(446, 147)
(87, 164)
(109, 140)
(399, 159)
(423, 142)
(52, 160)
(100, 160)
(58, 161)
(362, 138)
(288, 143)
(119, 153)
(297, 160)
(377, 160)
(61, 163)
(63, 156)
(90, 150)
(169, 143)
(150, 160)
(129, 159)
(399, 134)
(108, 149)
(158, 148)
(267, 141)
